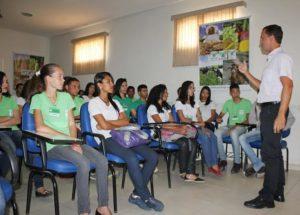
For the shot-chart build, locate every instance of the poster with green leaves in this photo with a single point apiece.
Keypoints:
(223, 46)
(25, 66)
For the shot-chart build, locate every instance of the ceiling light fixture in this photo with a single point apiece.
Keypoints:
(26, 14)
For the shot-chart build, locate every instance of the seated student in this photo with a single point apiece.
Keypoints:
(238, 109)
(208, 108)
(9, 117)
(143, 94)
(53, 115)
(131, 92)
(120, 95)
(107, 114)
(32, 87)
(158, 110)
(188, 111)
(89, 92)
(258, 167)
(2, 202)
(73, 87)
(18, 97)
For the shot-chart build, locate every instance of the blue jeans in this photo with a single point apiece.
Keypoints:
(209, 145)
(2, 202)
(140, 177)
(245, 140)
(234, 133)
(83, 164)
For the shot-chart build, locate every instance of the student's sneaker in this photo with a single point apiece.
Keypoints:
(236, 168)
(154, 204)
(249, 171)
(93, 176)
(136, 200)
(261, 172)
(222, 164)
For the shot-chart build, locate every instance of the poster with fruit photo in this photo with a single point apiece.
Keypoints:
(223, 46)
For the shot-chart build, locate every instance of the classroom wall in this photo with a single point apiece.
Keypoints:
(22, 43)
(140, 48)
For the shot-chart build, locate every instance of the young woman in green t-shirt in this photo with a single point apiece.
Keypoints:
(53, 114)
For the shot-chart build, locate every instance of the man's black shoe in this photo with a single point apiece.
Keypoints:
(259, 203)
(279, 198)
(236, 168)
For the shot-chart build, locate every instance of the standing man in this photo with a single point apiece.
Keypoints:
(275, 91)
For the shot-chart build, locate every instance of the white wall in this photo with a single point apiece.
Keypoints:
(23, 43)
(140, 48)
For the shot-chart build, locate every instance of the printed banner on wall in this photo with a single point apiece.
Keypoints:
(25, 66)
(223, 46)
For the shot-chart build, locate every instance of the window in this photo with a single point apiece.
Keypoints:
(186, 31)
(89, 54)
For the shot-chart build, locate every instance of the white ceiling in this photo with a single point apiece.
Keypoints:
(52, 17)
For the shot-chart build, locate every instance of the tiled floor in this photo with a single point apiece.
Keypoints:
(223, 195)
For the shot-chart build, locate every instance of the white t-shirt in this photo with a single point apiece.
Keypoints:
(279, 64)
(188, 111)
(86, 98)
(152, 110)
(206, 109)
(97, 106)
(20, 100)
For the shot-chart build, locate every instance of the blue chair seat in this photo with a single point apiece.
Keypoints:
(19, 152)
(119, 160)
(7, 189)
(227, 139)
(165, 145)
(257, 144)
(154, 144)
(59, 166)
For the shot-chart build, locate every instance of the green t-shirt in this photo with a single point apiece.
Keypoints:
(126, 103)
(78, 102)
(54, 115)
(237, 111)
(7, 107)
(137, 103)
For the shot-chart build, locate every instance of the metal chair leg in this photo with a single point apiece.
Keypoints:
(287, 159)
(20, 168)
(124, 176)
(202, 163)
(114, 188)
(175, 161)
(168, 161)
(55, 192)
(152, 186)
(74, 188)
(29, 191)
(14, 205)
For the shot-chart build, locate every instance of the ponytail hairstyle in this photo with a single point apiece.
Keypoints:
(184, 95)
(155, 94)
(47, 70)
(98, 79)
(118, 85)
(2, 75)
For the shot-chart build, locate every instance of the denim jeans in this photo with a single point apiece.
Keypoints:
(14, 140)
(139, 176)
(83, 164)
(234, 133)
(209, 145)
(245, 140)
(2, 202)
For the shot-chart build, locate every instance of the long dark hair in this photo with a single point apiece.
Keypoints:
(118, 85)
(98, 79)
(87, 87)
(184, 94)
(31, 87)
(155, 94)
(2, 75)
(208, 101)
(47, 70)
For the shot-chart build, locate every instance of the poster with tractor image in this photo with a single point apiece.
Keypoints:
(223, 46)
